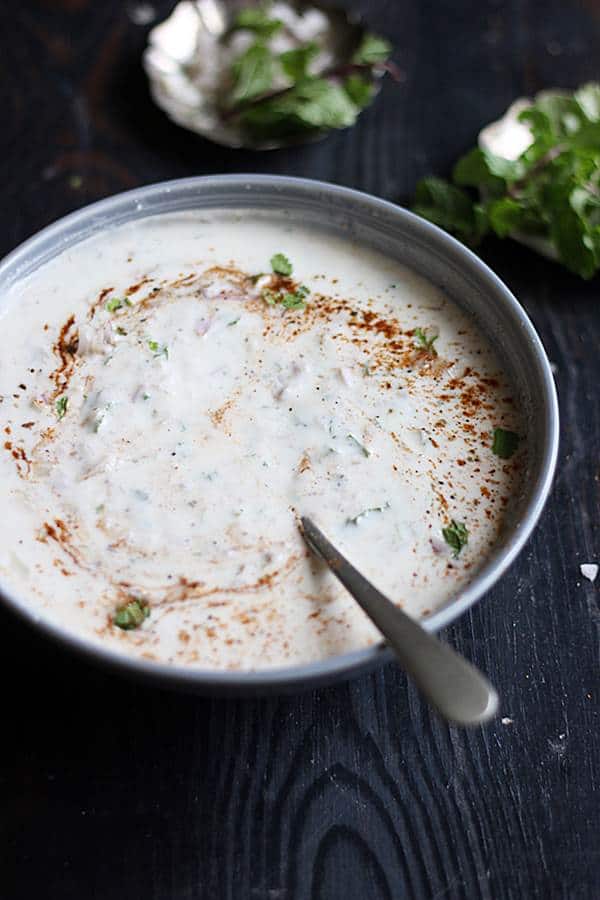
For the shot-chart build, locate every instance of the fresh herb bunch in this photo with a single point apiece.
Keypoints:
(274, 95)
(551, 191)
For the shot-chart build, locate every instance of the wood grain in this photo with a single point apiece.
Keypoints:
(111, 790)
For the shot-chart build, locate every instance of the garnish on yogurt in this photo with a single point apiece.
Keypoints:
(158, 349)
(280, 288)
(61, 406)
(356, 520)
(425, 339)
(456, 535)
(117, 303)
(505, 443)
(131, 615)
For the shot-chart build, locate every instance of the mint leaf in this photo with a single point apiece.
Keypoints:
(312, 103)
(449, 207)
(295, 62)
(114, 304)
(359, 89)
(281, 264)
(61, 406)
(588, 98)
(505, 443)
(158, 349)
(253, 73)
(371, 50)
(131, 615)
(257, 20)
(425, 341)
(552, 191)
(456, 536)
(480, 168)
(505, 215)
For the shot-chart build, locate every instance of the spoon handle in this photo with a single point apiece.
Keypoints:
(452, 685)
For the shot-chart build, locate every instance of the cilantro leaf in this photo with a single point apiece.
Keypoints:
(372, 49)
(456, 536)
(505, 443)
(114, 304)
(131, 615)
(61, 406)
(281, 264)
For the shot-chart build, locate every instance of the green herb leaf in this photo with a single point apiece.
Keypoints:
(253, 73)
(371, 50)
(505, 443)
(295, 62)
(114, 304)
(449, 207)
(312, 103)
(158, 349)
(257, 20)
(456, 536)
(131, 615)
(233, 322)
(288, 299)
(359, 89)
(426, 341)
(479, 168)
(61, 406)
(296, 299)
(552, 191)
(281, 264)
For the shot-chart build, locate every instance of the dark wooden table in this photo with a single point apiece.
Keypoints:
(111, 791)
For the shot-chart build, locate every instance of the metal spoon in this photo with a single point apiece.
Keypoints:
(451, 684)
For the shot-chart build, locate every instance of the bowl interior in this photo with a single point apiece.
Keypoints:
(404, 238)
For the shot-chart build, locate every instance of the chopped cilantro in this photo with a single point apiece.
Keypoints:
(505, 443)
(234, 321)
(131, 615)
(281, 264)
(426, 341)
(456, 536)
(61, 406)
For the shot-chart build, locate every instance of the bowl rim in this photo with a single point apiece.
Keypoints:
(295, 677)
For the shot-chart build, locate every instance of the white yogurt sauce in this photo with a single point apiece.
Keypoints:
(163, 450)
